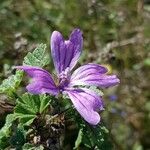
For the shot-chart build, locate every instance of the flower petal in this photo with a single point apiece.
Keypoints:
(42, 81)
(93, 74)
(77, 41)
(66, 53)
(58, 50)
(86, 102)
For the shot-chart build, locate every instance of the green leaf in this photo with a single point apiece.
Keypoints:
(10, 84)
(79, 139)
(96, 137)
(44, 103)
(17, 140)
(92, 137)
(28, 106)
(28, 146)
(6, 130)
(38, 57)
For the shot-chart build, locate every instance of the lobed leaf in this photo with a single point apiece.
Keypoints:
(5, 130)
(92, 137)
(96, 137)
(10, 84)
(28, 106)
(38, 57)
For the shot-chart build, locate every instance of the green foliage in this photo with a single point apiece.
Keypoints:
(98, 137)
(6, 130)
(79, 139)
(38, 57)
(10, 84)
(28, 146)
(17, 140)
(93, 137)
(28, 106)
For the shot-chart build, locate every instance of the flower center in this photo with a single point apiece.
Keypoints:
(64, 78)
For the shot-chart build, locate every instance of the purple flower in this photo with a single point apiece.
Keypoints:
(65, 54)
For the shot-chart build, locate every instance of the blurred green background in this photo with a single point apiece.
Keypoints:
(116, 34)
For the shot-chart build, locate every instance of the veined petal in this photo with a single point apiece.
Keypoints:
(66, 53)
(58, 50)
(77, 41)
(93, 74)
(87, 103)
(42, 81)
